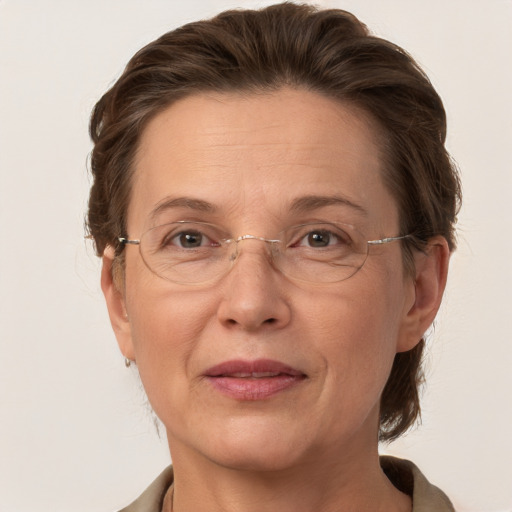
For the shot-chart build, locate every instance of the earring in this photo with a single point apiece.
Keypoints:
(127, 362)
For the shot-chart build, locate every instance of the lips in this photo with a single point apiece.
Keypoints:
(253, 380)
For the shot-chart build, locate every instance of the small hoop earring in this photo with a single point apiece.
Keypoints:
(127, 362)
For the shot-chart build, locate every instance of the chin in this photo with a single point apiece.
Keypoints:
(253, 446)
(261, 459)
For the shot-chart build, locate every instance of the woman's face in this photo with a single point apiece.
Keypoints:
(303, 365)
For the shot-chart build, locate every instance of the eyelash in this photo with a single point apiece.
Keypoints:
(171, 238)
(323, 233)
(339, 238)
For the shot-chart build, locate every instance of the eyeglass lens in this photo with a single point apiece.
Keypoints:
(194, 253)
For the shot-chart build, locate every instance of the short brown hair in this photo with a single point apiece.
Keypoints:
(326, 51)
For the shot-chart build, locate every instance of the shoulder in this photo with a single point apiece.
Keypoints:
(152, 498)
(409, 479)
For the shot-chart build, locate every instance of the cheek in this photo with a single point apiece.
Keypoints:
(164, 321)
(356, 342)
(165, 324)
(365, 310)
(165, 330)
(355, 332)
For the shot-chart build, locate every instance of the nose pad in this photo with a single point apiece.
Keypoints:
(269, 242)
(253, 297)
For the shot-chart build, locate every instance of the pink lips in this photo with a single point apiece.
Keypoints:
(253, 380)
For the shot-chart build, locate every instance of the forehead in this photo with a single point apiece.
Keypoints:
(256, 154)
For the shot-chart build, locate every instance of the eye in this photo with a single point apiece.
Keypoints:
(184, 236)
(190, 239)
(319, 238)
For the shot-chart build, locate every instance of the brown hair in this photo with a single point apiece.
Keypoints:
(326, 51)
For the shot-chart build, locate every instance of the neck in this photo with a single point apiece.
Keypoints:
(350, 483)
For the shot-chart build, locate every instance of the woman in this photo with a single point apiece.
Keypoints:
(275, 211)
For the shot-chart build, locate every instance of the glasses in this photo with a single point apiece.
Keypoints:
(199, 253)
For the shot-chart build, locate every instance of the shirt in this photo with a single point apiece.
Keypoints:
(404, 475)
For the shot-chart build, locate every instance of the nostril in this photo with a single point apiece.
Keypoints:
(231, 321)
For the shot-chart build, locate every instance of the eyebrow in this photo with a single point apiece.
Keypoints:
(182, 202)
(308, 203)
(299, 205)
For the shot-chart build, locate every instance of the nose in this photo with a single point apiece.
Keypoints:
(253, 293)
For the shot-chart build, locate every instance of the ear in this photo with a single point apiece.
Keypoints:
(427, 288)
(114, 296)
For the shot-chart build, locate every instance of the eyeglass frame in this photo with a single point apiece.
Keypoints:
(127, 241)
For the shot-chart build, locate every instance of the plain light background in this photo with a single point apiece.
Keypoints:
(75, 432)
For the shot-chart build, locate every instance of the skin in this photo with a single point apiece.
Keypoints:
(314, 445)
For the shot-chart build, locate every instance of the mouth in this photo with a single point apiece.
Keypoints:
(253, 380)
